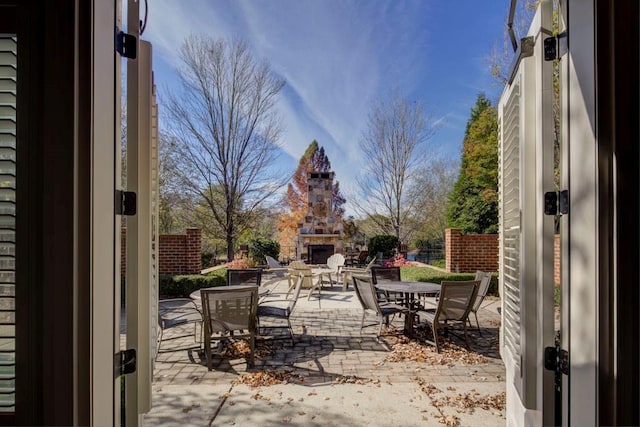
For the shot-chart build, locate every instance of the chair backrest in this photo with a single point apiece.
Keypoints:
(229, 309)
(299, 267)
(385, 274)
(362, 257)
(335, 260)
(272, 262)
(485, 281)
(455, 300)
(366, 292)
(244, 276)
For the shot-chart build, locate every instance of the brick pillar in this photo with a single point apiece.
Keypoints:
(453, 245)
(193, 251)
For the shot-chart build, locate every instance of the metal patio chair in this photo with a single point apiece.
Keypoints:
(244, 276)
(368, 297)
(280, 308)
(229, 311)
(485, 281)
(178, 312)
(454, 305)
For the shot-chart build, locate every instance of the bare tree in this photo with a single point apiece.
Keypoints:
(500, 58)
(393, 145)
(430, 191)
(224, 130)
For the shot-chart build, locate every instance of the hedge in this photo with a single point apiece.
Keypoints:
(182, 286)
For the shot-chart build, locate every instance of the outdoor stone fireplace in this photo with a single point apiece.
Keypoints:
(320, 235)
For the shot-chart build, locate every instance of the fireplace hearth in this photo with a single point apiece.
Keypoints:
(318, 254)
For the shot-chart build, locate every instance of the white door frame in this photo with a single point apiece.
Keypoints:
(580, 228)
(105, 275)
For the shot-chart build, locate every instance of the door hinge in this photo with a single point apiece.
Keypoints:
(555, 47)
(556, 202)
(125, 203)
(126, 44)
(556, 359)
(124, 362)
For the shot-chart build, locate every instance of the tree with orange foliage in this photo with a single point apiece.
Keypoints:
(314, 159)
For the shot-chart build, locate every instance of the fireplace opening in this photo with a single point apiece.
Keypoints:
(318, 254)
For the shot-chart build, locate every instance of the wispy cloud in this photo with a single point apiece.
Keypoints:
(336, 57)
(339, 56)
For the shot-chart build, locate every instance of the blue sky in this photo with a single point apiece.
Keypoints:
(338, 56)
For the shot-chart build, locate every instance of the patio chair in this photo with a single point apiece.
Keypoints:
(387, 274)
(366, 292)
(178, 312)
(348, 271)
(244, 276)
(485, 281)
(295, 269)
(280, 309)
(335, 263)
(274, 267)
(229, 312)
(362, 258)
(454, 306)
(272, 262)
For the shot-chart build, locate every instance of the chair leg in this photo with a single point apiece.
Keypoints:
(293, 341)
(207, 352)
(252, 344)
(434, 328)
(380, 326)
(478, 323)
(159, 344)
(362, 322)
(466, 338)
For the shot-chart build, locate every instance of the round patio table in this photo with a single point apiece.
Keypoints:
(195, 295)
(409, 289)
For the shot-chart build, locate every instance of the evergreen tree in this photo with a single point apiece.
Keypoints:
(473, 204)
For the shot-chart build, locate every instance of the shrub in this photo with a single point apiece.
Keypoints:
(260, 247)
(182, 286)
(384, 243)
(241, 261)
(397, 261)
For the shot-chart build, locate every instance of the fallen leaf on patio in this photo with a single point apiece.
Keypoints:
(312, 393)
(404, 350)
(265, 378)
(352, 379)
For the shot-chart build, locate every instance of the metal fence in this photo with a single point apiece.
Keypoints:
(431, 251)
